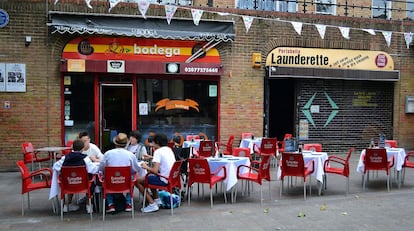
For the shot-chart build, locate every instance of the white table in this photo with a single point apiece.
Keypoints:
(319, 159)
(249, 143)
(231, 163)
(53, 150)
(399, 157)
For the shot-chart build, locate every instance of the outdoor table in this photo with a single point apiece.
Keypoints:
(53, 151)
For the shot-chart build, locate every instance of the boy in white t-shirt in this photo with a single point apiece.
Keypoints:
(163, 160)
(90, 149)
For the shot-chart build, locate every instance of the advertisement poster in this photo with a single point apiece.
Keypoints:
(2, 77)
(15, 77)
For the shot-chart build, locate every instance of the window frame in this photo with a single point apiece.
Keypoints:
(324, 2)
(388, 8)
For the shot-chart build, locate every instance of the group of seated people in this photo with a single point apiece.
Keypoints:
(157, 157)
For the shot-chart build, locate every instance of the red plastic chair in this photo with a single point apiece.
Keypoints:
(117, 179)
(246, 135)
(228, 146)
(338, 165)
(199, 172)
(391, 143)
(408, 163)
(376, 159)
(30, 155)
(292, 164)
(28, 185)
(205, 149)
(174, 180)
(192, 137)
(67, 151)
(268, 146)
(313, 147)
(74, 180)
(281, 144)
(257, 175)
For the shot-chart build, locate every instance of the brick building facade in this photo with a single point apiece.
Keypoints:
(247, 101)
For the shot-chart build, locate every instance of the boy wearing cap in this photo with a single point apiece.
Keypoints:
(119, 156)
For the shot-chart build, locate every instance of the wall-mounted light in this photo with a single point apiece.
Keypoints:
(256, 60)
(173, 68)
(28, 40)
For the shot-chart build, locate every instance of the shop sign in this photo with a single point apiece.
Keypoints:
(169, 104)
(4, 18)
(330, 59)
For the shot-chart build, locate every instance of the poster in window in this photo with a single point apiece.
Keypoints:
(2, 77)
(16, 77)
(143, 108)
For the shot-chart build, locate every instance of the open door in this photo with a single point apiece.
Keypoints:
(115, 112)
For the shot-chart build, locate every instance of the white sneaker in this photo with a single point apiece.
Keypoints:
(158, 201)
(72, 208)
(89, 209)
(150, 208)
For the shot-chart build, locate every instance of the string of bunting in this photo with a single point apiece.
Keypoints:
(170, 10)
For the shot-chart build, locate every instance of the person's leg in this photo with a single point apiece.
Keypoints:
(109, 199)
(128, 199)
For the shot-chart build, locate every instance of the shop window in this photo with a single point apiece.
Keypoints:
(410, 10)
(326, 7)
(184, 106)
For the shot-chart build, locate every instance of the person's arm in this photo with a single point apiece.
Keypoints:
(97, 154)
(155, 168)
(90, 167)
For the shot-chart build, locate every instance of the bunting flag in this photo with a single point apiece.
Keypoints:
(88, 3)
(344, 32)
(143, 6)
(196, 15)
(387, 36)
(169, 12)
(408, 39)
(297, 26)
(371, 31)
(321, 30)
(113, 3)
(248, 20)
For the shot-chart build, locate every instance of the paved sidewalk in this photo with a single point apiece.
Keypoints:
(374, 209)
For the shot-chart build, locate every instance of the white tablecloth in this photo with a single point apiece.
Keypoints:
(398, 153)
(319, 160)
(231, 164)
(249, 143)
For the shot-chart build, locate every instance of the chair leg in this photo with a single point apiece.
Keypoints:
(211, 198)
(188, 194)
(304, 190)
(388, 182)
(347, 186)
(90, 206)
(61, 208)
(281, 188)
(261, 196)
(22, 204)
(103, 208)
(28, 200)
(171, 203)
(270, 192)
(363, 182)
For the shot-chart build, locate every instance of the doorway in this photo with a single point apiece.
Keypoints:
(115, 112)
(281, 112)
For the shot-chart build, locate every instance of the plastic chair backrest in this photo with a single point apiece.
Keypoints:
(192, 137)
(246, 135)
(391, 143)
(243, 152)
(375, 159)
(313, 147)
(229, 147)
(206, 148)
(174, 179)
(28, 152)
(73, 179)
(292, 164)
(117, 179)
(268, 146)
(264, 168)
(199, 171)
(25, 175)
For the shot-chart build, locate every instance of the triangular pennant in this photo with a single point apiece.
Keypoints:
(248, 20)
(344, 32)
(408, 39)
(387, 36)
(169, 12)
(88, 3)
(196, 15)
(143, 6)
(371, 31)
(113, 3)
(297, 26)
(321, 30)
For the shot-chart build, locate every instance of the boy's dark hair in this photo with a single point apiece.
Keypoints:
(160, 139)
(82, 134)
(136, 134)
(77, 145)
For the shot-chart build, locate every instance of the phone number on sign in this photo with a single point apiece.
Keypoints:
(201, 69)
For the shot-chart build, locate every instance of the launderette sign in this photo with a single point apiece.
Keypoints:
(4, 18)
(330, 58)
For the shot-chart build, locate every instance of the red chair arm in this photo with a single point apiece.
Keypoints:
(219, 169)
(222, 144)
(335, 159)
(312, 162)
(41, 172)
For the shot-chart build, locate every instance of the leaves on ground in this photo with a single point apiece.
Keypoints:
(266, 210)
(323, 207)
(301, 214)
(344, 213)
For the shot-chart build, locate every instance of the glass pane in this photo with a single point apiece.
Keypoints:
(381, 9)
(410, 10)
(325, 6)
(184, 106)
